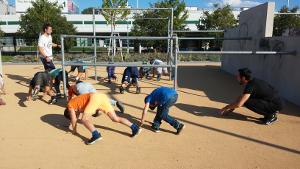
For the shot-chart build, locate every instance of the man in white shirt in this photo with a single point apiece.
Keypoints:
(45, 47)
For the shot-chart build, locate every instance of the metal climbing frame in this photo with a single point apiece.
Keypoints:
(170, 30)
(117, 64)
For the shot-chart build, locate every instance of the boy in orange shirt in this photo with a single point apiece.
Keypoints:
(88, 104)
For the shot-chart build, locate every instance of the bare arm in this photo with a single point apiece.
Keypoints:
(55, 45)
(239, 103)
(73, 120)
(42, 52)
(144, 113)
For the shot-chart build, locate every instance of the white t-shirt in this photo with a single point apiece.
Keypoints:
(45, 42)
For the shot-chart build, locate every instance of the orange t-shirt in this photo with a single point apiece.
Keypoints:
(80, 102)
(91, 102)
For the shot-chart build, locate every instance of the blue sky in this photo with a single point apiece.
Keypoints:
(199, 3)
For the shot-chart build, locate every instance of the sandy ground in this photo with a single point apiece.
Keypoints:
(34, 134)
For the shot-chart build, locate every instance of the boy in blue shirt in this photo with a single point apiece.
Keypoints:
(162, 98)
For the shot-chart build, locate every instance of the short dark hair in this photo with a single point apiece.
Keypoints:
(67, 114)
(245, 72)
(46, 26)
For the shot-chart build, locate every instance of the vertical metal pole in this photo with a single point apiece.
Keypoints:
(171, 44)
(175, 62)
(95, 43)
(127, 39)
(168, 50)
(1, 70)
(63, 66)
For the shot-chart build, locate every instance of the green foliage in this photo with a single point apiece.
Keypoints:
(112, 16)
(150, 27)
(41, 12)
(1, 33)
(221, 18)
(283, 22)
(87, 11)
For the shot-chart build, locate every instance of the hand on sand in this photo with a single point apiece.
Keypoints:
(225, 111)
(2, 102)
(29, 98)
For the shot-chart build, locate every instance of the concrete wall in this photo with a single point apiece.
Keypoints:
(283, 72)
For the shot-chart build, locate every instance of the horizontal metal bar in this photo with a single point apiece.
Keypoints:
(149, 18)
(134, 9)
(214, 38)
(283, 13)
(239, 52)
(120, 37)
(116, 64)
(189, 31)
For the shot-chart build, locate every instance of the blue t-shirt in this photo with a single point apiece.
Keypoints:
(160, 95)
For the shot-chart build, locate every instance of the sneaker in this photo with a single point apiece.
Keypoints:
(121, 90)
(138, 90)
(96, 114)
(155, 129)
(94, 139)
(120, 106)
(59, 95)
(158, 77)
(53, 100)
(135, 131)
(271, 119)
(179, 129)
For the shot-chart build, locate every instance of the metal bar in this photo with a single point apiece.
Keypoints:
(283, 13)
(175, 63)
(149, 18)
(119, 37)
(171, 42)
(134, 9)
(214, 38)
(63, 66)
(189, 31)
(116, 64)
(1, 70)
(239, 52)
(95, 44)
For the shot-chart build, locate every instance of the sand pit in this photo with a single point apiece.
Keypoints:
(35, 134)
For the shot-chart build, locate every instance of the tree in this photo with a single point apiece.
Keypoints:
(112, 16)
(87, 10)
(221, 18)
(284, 22)
(155, 27)
(41, 12)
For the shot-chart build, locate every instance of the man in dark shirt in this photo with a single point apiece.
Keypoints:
(258, 96)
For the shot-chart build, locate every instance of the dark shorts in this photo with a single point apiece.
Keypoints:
(79, 69)
(48, 66)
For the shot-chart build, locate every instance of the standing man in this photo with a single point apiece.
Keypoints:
(258, 96)
(45, 47)
(88, 104)
(162, 98)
